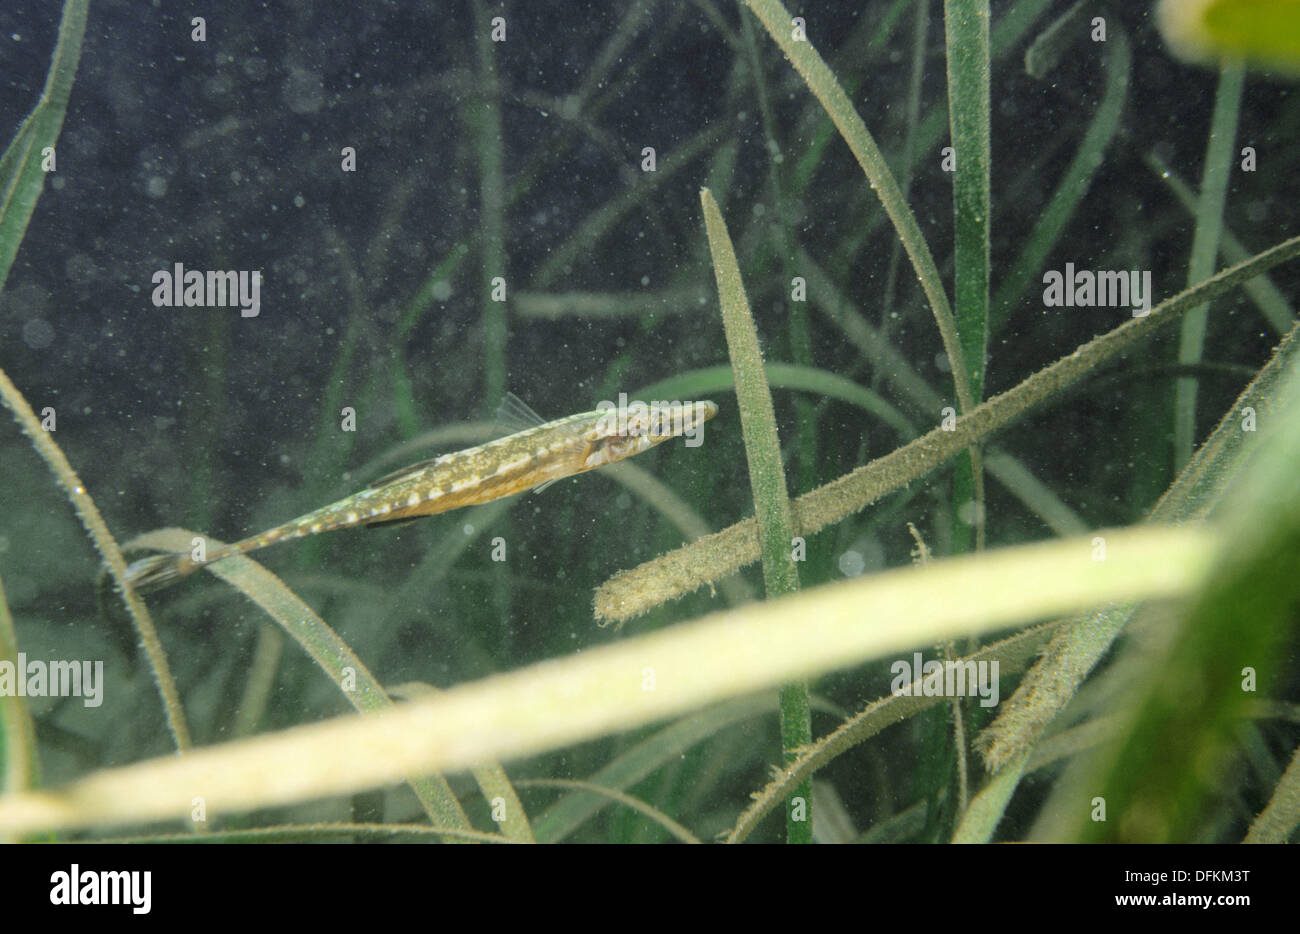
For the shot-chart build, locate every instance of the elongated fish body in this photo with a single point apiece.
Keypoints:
(522, 461)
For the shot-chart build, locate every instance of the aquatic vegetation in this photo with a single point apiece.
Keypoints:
(1265, 32)
(529, 459)
(1155, 617)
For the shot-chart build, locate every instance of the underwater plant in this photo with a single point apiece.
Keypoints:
(1105, 519)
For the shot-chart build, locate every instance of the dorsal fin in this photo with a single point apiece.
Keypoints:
(513, 414)
(402, 474)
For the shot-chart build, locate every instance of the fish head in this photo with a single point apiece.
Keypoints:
(624, 432)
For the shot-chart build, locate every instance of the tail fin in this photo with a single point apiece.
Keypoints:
(158, 571)
(144, 575)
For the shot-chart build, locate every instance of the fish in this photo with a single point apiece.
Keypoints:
(530, 459)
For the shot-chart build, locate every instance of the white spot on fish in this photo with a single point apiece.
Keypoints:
(386, 508)
(515, 464)
(433, 494)
(315, 528)
(413, 499)
(352, 517)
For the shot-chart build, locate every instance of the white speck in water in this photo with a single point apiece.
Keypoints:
(970, 511)
(303, 92)
(38, 334)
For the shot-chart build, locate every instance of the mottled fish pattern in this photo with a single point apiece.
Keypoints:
(522, 461)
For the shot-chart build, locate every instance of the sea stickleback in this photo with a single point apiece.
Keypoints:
(525, 460)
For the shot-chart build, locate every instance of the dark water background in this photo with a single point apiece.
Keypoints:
(226, 155)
